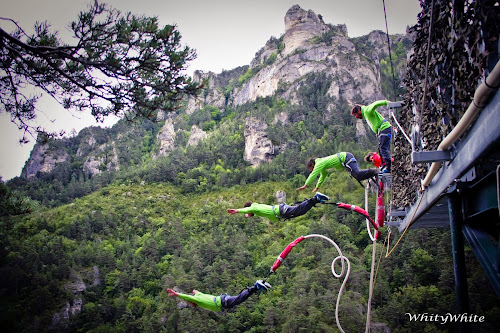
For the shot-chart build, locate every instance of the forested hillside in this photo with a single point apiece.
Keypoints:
(111, 255)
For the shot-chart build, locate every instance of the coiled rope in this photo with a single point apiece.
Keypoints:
(342, 259)
(343, 262)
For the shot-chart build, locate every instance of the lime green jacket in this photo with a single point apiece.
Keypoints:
(206, 301)
(324, 166)
(262, 210)
(373, 118)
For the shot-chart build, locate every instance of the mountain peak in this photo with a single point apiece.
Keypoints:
(300, 26)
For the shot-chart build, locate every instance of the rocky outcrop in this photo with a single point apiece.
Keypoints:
(166, 138)
(96, 280)
(360, 128)
(258, 148)
(61, 320)
(44, 158)
(300, 27)
(76, 285)
(217, 88)
(103, 158)
(307, 46)
(86, 145)
(214, 97)
(281, 117)
(280, 197)
(379, 328)
(196, 135)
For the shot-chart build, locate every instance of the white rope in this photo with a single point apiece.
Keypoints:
(372, 237)
(401, 128)
(370, 292)
(374, 240)
(337, 275)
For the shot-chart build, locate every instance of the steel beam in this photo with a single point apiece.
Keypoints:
(393, 105)
(430, 156)
(483, 136)
(457, 246)
(486, 253)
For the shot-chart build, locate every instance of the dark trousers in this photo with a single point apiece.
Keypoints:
(384, 146)
(352, 166)
(288, 212)
(228, 301)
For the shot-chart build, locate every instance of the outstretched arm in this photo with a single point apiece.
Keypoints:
(371, 107)
(301, 188)
(171, 292)
(317, 170)
(232, 211)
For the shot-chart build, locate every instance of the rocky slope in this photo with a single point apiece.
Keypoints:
(308, 46)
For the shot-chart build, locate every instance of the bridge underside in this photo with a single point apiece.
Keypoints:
(464, 194)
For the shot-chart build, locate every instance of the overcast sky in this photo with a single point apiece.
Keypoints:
(225, 34)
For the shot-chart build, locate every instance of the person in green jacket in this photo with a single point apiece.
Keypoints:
(275, 212)
(224, 301)
(380, 126)
(323, 166)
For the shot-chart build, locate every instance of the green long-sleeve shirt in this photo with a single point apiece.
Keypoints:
(324, 166)
(262, 210)
(206, 301)
(373, 118)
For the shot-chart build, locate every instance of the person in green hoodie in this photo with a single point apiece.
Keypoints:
(224, 301)
(275, 212)
(380, 126)
(323, 166)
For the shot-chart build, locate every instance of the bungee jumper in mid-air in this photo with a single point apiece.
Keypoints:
(325, 165)
(275, 212)
(380, 126)
(223, 301)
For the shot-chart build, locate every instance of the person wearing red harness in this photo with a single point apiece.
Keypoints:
(373, 157)
(224, 301)
(380, 126)
(275, 212)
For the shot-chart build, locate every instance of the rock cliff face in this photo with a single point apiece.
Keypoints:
(258, 148)
(311, 46)
(196, 135)
(166, 138)
(213, 97)
(307, 46)
(61, 320)
(102, 158)
(44, 158)
(75, 286)
(280, 197)
(300, 27)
